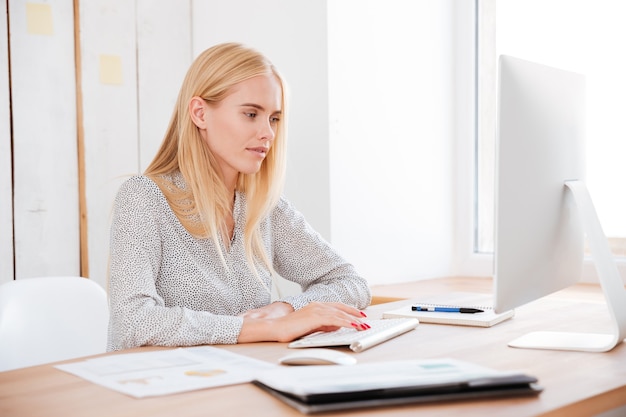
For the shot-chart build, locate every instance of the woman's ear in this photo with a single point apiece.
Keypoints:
(197, 111)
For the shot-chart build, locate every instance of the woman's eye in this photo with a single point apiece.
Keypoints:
(274, 119)
(250, 115)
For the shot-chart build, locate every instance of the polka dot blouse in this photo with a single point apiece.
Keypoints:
(168, 288)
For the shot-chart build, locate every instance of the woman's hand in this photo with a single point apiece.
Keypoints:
(313, 317)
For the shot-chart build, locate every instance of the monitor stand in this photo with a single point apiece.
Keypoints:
(610, 280)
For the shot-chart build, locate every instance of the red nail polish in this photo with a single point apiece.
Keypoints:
(363, 314)
(354, 325)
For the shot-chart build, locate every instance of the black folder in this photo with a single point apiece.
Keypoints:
(388, 393)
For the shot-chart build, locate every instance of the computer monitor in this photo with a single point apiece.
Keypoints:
(543, 209)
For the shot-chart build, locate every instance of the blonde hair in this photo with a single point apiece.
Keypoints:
(204, 205)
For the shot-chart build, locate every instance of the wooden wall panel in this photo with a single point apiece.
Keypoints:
(131, 78)
(6, 186)
(109, 87)
(132, 59)
(44, 138)
(163, 57)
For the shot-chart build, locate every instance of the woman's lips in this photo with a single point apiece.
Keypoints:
(260, 150)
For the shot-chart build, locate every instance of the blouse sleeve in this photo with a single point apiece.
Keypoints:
(301, 255)
(138, 314)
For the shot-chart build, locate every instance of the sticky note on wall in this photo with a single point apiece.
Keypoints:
(39, 19)
(110, 69)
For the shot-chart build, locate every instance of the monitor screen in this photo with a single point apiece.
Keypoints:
(539, 242)
(543, 208)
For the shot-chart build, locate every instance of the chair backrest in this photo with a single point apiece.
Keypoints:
(50, 319)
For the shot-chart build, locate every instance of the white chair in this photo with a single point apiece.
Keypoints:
(50, 319)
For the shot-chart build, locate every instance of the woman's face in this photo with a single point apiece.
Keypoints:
(240, 129)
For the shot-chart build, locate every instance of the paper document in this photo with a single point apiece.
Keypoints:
(162, 372)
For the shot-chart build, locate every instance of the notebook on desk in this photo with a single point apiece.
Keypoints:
(487, 318)
(315, 389)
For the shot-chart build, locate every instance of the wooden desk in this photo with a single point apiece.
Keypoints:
(576, 384)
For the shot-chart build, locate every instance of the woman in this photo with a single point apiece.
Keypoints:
(196, 240)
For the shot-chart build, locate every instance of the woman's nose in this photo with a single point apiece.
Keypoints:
(267, 132)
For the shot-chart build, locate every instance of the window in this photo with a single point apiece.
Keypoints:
(583, 36)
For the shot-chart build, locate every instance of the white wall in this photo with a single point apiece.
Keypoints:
(164, 52)
(126, 109)
(109, 85)
(45, 170)
(293, 35)
(370, 165)
(392, 134)
(6, 187)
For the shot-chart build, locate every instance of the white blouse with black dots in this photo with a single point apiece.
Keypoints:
(168, 288)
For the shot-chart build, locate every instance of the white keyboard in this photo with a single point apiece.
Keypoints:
(358, 340)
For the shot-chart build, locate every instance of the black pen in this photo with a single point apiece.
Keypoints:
(447, 309)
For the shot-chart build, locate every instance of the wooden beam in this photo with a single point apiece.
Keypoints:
(80, 142)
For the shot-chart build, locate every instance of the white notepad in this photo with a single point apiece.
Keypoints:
(487, 318)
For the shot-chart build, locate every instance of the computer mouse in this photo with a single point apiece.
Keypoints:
(317, 356)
